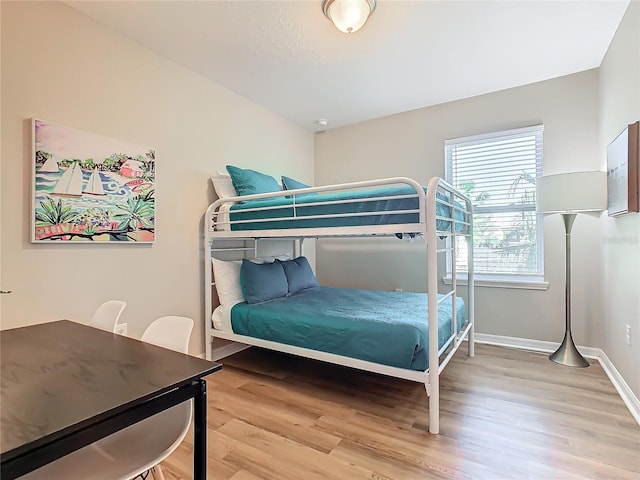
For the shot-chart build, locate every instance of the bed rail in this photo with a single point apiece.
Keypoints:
(219, 223)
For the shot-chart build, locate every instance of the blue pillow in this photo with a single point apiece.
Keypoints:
(291, 184)
(250, 182)
(262, 281)
(299, 274)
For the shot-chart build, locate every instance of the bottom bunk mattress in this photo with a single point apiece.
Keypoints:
(388, 328)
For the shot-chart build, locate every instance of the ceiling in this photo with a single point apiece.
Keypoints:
(287, 57)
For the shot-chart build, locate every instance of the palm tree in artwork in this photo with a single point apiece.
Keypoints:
(136, 214)
(51, 212)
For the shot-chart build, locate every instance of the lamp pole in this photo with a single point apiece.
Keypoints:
(567, 354)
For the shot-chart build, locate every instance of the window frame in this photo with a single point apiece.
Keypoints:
(529, 280)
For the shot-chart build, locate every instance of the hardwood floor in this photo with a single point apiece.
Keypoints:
(505, 414)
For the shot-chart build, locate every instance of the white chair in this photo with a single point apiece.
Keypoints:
(140, 447)
(106, 315)
(170, 332)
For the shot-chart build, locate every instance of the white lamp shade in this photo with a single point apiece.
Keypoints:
(348, 15)
(572, 192)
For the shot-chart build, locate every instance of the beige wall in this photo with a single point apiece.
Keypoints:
(620, 106)
(412, 144)
(60, 66)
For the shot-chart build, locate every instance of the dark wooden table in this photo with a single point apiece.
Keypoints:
(65, 385)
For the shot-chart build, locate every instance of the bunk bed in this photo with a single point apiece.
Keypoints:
(436, 215)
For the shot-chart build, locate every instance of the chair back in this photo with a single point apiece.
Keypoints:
(171, 425)
(170, 332)
(106, 315)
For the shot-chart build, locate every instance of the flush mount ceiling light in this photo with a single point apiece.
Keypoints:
(348, 15)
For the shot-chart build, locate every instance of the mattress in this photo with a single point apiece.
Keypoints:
(363, 202)
(388, 328)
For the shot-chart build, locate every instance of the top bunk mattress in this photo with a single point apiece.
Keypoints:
(372, 207)
(389, 328)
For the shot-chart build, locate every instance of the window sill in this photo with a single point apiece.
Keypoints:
(505, 281)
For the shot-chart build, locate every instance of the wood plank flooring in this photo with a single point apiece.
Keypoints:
(505, 414)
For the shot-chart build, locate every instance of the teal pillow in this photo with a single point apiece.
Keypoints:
(250, 182)
(291, 184)
(262, 281)
(299, 274)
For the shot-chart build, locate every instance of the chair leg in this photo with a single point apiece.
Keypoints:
(157, 473)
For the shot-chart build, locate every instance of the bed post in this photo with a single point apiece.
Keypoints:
(470, 286)
(432, 303)
(208, 285)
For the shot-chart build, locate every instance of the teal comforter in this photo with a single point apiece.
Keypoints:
(389, 328)
(306, 205)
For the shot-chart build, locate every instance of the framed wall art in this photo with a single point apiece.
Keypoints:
(89, 188)
(622, 171)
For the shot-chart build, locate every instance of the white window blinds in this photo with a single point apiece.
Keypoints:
(498, 172)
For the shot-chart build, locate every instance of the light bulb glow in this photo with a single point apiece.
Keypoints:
(348, 15)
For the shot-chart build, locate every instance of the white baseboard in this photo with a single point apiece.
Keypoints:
(623, 388)
(529, 344)
(628, 397)
(228, 350)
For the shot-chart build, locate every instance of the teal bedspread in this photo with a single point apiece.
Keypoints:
(306, 205)
(389, 328)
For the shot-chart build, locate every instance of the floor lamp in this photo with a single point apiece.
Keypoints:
(569, 194)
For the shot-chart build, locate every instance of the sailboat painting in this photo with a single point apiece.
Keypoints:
(90, 188)
(70, 183)
(94, 184)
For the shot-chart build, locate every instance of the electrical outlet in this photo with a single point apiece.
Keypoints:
(627, 334)
(121, 329)
(399, 290)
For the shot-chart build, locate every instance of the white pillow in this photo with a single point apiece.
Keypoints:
(227, 279)
(221, 318)
(223, 186)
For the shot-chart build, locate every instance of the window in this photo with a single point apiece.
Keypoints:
(498, 172)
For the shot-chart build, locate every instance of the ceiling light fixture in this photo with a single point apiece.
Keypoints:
(348, 15)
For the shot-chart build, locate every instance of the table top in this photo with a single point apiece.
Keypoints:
(61, 377)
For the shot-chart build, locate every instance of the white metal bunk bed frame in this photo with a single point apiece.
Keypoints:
(426, 226)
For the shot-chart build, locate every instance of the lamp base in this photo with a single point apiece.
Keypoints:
(567, 354)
